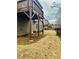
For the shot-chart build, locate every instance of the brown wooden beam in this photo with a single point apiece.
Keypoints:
(30, 18)
(43, 26)
(30, 28)
(38, 25)
(33, 15)
(26, 14)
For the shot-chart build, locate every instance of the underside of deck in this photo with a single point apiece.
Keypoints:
(30, 5)
(30, 10)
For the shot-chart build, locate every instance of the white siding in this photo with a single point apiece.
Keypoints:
(35, 25)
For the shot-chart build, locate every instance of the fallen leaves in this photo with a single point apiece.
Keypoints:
(46, 48)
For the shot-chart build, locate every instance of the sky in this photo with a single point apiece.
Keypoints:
(50, 13)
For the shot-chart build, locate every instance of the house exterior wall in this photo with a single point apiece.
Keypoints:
(56, 26)
(35, 25)
(46, 24)
(22, 27)
(59, 23)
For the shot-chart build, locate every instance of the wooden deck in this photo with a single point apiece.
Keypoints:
(34, 5)
(33, 10)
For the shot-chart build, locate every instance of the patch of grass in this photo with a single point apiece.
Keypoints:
(22, 41)
(26, 41)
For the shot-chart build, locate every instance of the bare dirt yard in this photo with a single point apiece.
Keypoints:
(48, 47)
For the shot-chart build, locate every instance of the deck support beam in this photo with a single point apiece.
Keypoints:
(38, 25)
(43, 26)
(30, 28)
(30, 14)
(30, 23)
(30, 18)
(26, 14)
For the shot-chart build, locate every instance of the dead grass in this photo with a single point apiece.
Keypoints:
(48, 47)
(25, 40)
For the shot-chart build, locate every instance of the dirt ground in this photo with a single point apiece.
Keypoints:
(46, 48)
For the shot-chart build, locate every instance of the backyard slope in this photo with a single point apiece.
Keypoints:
(46, 48)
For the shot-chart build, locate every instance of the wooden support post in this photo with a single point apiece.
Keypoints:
(30, 18)
(38, 25)
(43, 26)
(30, 34)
